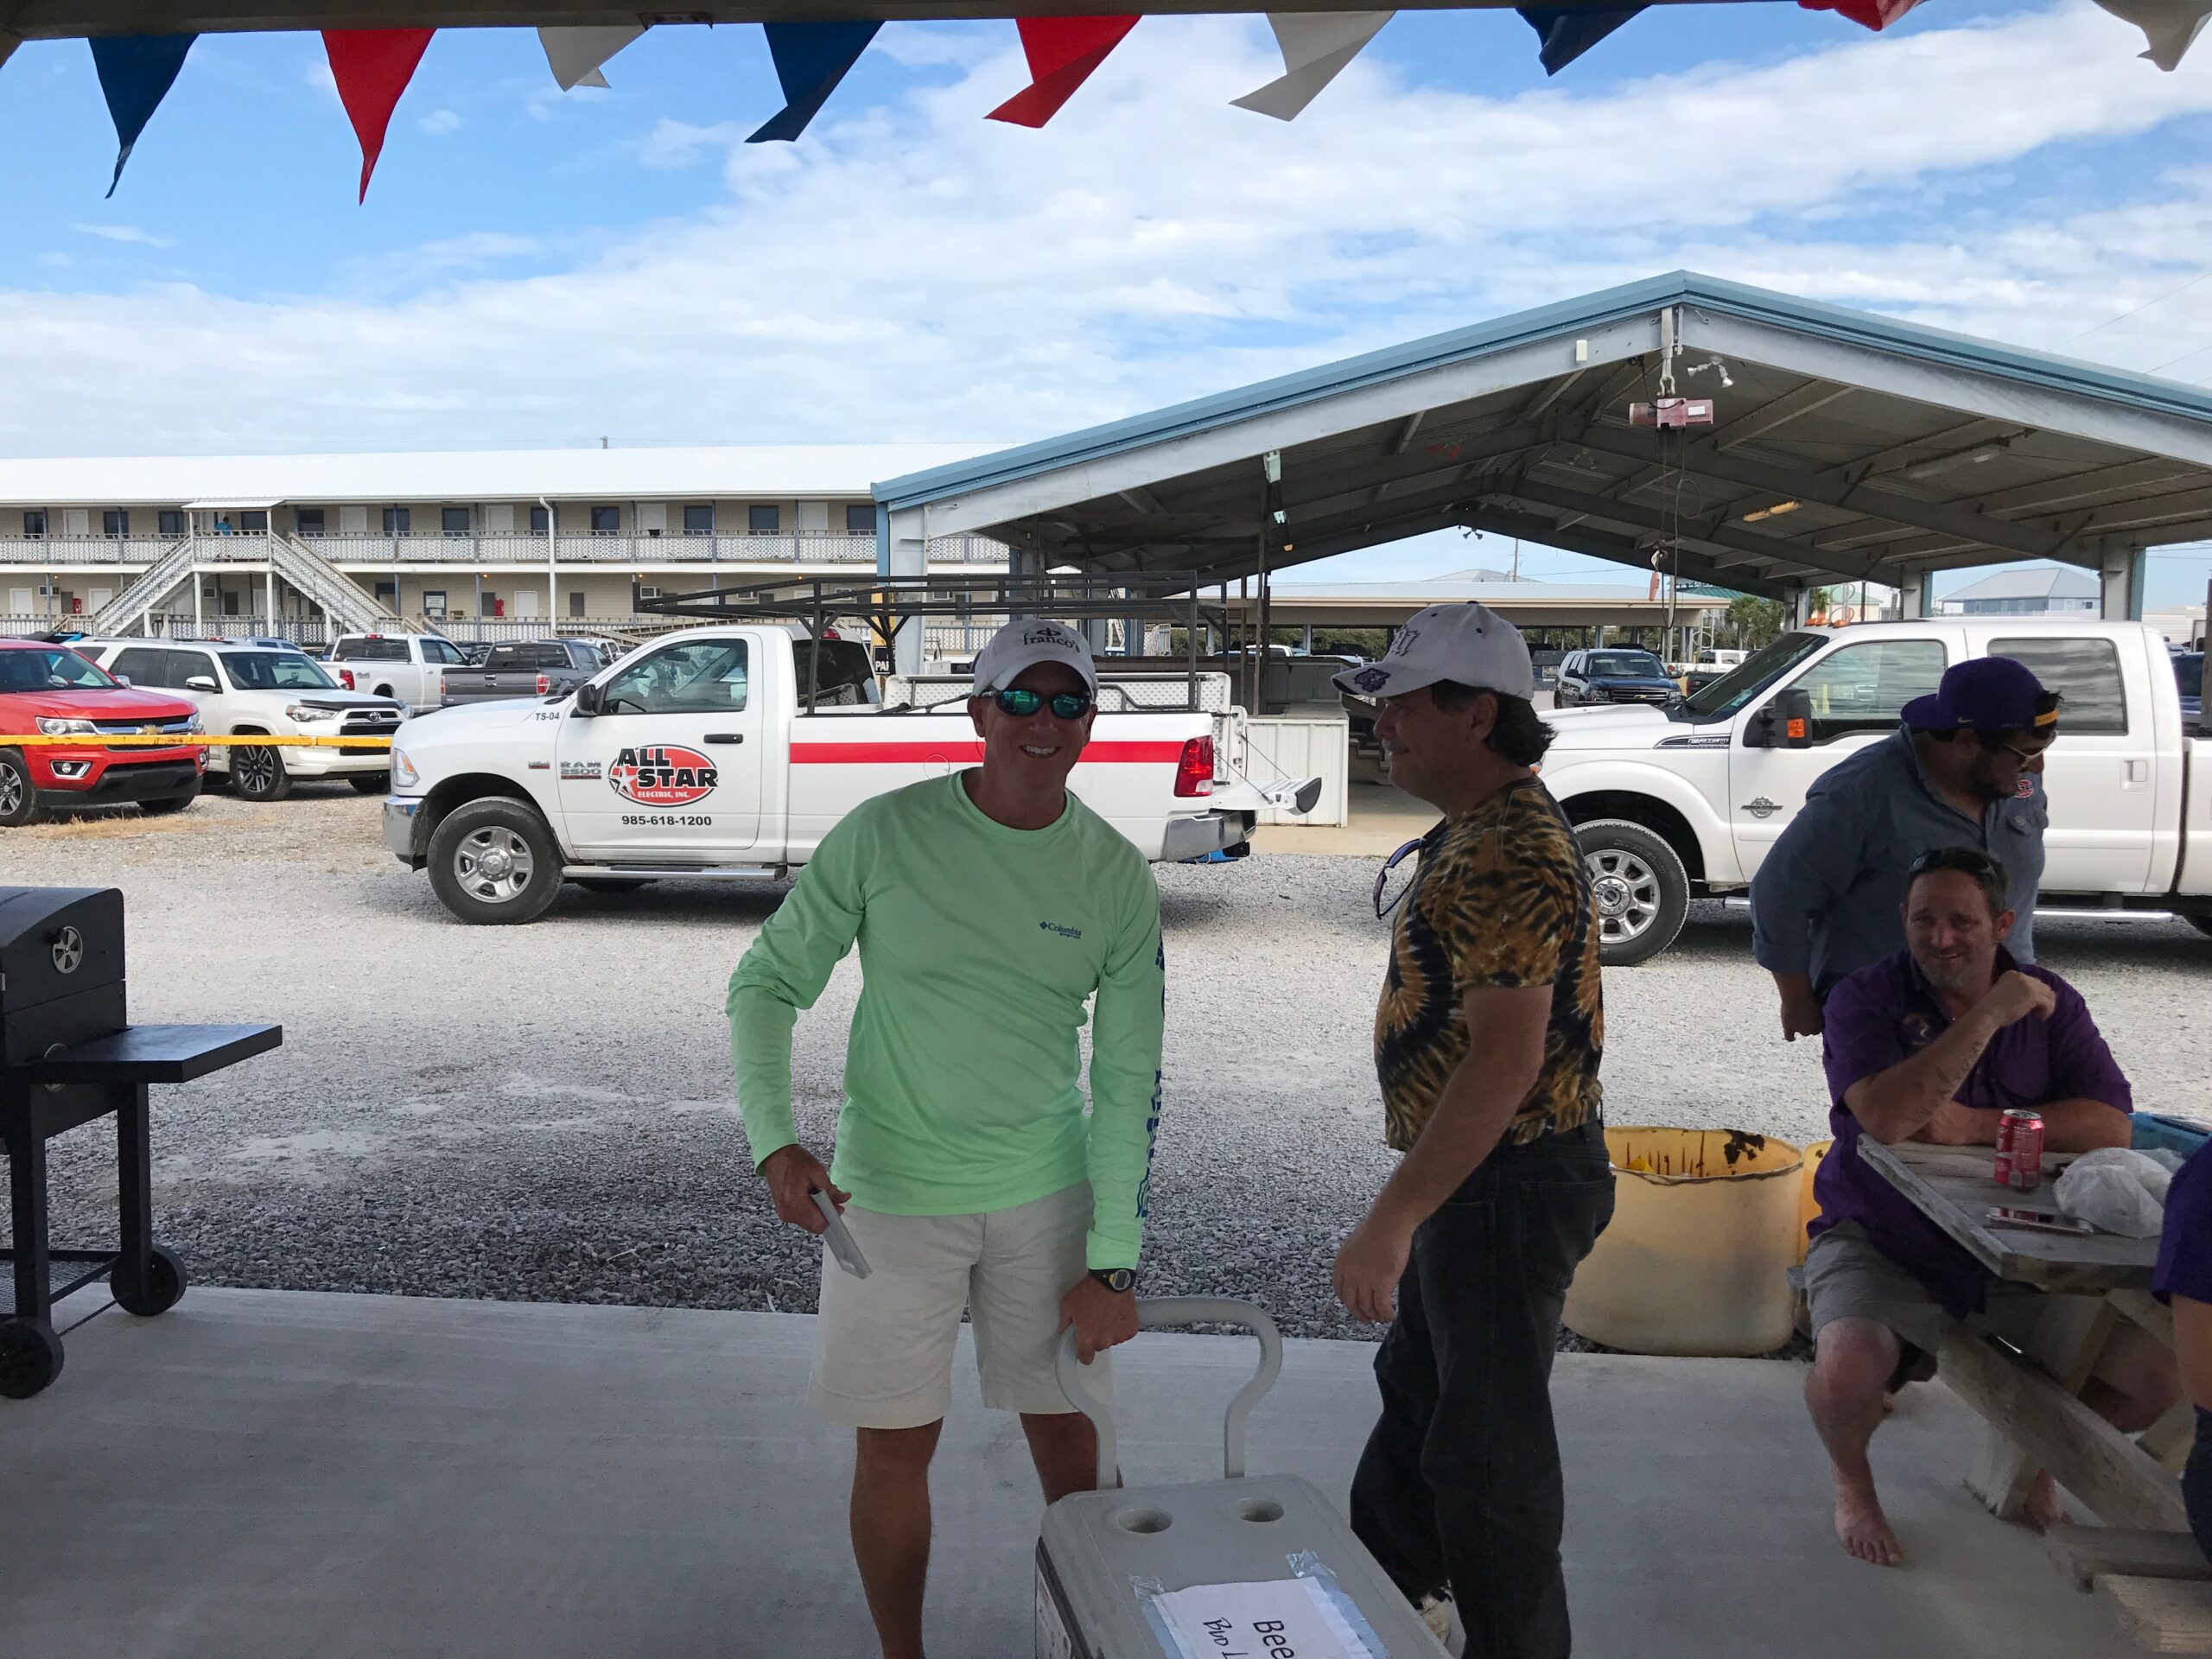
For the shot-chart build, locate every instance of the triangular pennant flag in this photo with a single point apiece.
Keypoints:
(1062, 53)
(810, 59)
(575, 55)
(373, 67)
(1563, 35)
(136, 72)
(2170, 26)
(1316, 47)
(1874, 14)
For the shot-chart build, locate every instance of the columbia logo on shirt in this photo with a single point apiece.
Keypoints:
(1063, 931)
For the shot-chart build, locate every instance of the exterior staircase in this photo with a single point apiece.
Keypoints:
(351, 609)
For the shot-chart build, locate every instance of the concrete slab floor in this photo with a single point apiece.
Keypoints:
(271, 1475)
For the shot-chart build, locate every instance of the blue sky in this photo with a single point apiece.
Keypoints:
(535, 268)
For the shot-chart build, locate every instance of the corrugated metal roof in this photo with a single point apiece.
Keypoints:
(1834, 322)
(2057, 582)
(770, 471)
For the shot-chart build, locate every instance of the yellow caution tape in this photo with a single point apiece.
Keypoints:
(189, 741)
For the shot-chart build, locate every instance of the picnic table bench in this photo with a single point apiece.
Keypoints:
(2142, 1561)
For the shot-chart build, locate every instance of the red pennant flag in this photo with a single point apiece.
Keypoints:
(1874, 14)
(1062, 53)
(373, 67)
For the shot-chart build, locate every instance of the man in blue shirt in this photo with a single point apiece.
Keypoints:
(1964, 769)
(1935, 1045)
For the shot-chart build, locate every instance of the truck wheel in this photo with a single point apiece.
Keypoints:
(495, 860)
(1642, 892)
(371, 783)
(257, 772)
(18, 799)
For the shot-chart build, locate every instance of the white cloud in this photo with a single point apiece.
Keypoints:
(912, 271)
(129, 233)
(439, 122)
(56, 261)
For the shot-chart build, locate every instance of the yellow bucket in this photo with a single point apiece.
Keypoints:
(1705, 1229)
(1807, 1205)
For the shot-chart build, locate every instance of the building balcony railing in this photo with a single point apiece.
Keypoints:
(355, 549)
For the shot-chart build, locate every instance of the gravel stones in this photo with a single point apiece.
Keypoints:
(545, 1112)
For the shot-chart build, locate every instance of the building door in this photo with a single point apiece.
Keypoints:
(669, 772)
(526, 604)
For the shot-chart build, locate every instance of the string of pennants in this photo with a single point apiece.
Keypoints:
(372, 66)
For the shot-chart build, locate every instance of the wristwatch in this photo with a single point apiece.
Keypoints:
(1116, 1280)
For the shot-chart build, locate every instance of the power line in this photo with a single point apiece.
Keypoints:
(2205, 275)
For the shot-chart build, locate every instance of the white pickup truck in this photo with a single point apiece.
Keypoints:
(1680, 802)
(703, 755)
(409, 666)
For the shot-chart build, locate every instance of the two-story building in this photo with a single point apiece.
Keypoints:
(475, 544)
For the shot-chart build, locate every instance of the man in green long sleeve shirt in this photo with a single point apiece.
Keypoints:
(988, 907)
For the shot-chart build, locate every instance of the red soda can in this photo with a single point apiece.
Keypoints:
(2026, 1172)
(2003, 1173)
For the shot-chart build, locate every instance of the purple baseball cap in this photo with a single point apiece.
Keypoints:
(1984, 694)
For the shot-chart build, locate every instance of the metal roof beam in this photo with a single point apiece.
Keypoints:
(1650, 520)
(1403, 441)
(1773, 416)
(1816, 486)
(2077, 489)
(1529, 527)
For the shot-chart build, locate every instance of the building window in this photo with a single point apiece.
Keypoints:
(540, 521)
(309, 521)
(388, 594)
(699, 521)
(254, 518)
(860, 518)
(764, 521)
(116, 521)
(170, 521)
(396, 520)
(606, 521)
(453, 521)
(575, 601)
(433, 601)
(34, 522)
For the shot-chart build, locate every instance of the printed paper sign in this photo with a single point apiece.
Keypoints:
(1282, 1619)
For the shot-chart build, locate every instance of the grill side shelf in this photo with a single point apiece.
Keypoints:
(154, 1054)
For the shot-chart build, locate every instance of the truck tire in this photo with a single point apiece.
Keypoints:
(18, 799)
(257, 772)
(1642, 893)
(495, 862)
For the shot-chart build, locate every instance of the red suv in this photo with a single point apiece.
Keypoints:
(50, 691)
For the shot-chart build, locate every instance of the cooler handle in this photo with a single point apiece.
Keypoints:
(1180, 1310)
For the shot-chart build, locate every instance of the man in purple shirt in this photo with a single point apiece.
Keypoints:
(2184, 1277)
(1935, 1045)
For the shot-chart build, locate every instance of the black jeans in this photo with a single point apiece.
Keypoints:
(1460, 1481)
(2196, 1485)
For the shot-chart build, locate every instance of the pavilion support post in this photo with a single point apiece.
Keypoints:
(1912, 595)
(2120, 579)
(902, 550)
(1796, 606)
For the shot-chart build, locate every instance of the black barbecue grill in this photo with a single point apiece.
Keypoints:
(68, 1054)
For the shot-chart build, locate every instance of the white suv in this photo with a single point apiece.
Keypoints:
(245, 689)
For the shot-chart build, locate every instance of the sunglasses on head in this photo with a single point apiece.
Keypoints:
(1064, 705)
(1966, 862)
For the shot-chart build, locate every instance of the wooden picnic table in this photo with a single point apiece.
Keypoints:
(2034, 1413)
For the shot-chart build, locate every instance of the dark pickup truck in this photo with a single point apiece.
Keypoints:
(528, 668)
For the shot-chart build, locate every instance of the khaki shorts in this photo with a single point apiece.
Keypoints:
(1848, 1277)
(883, 1345)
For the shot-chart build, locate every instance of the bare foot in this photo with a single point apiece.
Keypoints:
(2041, 1508)
(1863, 1530)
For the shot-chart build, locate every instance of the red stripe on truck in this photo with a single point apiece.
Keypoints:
(916, 754)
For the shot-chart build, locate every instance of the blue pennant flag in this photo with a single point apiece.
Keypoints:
(1565, 36)
(136, 72)
(810, 59)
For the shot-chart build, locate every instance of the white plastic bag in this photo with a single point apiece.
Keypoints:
(2117, 1190)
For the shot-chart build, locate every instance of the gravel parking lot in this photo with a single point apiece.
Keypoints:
(545, 1112)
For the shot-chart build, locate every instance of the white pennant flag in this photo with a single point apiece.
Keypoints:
(1316, 46)
(2171, 26)
(575, 55)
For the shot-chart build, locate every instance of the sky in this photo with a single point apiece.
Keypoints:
(539, 268)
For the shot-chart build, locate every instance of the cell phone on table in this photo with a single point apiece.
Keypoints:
(840, 1236)
(2044, 1221)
